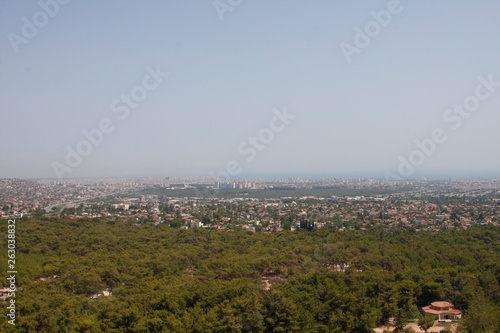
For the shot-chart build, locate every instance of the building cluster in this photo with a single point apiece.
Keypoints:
(424, 206)
(24, 197)
(235, 185)
(275, 215)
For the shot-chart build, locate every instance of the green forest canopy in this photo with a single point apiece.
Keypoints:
(171, 280)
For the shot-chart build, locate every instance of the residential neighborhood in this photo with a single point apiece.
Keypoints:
(258, 207)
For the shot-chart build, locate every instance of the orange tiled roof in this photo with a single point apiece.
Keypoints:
(427, 309)
(442, 304)
(441, 308)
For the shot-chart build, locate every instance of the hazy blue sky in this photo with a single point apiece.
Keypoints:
(227, 76)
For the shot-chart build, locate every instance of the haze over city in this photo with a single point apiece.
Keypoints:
(256, 88)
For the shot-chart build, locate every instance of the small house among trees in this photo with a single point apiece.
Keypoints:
(443, 311)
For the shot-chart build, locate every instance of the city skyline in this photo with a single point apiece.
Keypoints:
(382, 89)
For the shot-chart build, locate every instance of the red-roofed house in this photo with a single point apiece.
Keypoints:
(443, 311)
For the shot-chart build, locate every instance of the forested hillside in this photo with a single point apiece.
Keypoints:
(171, 280)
